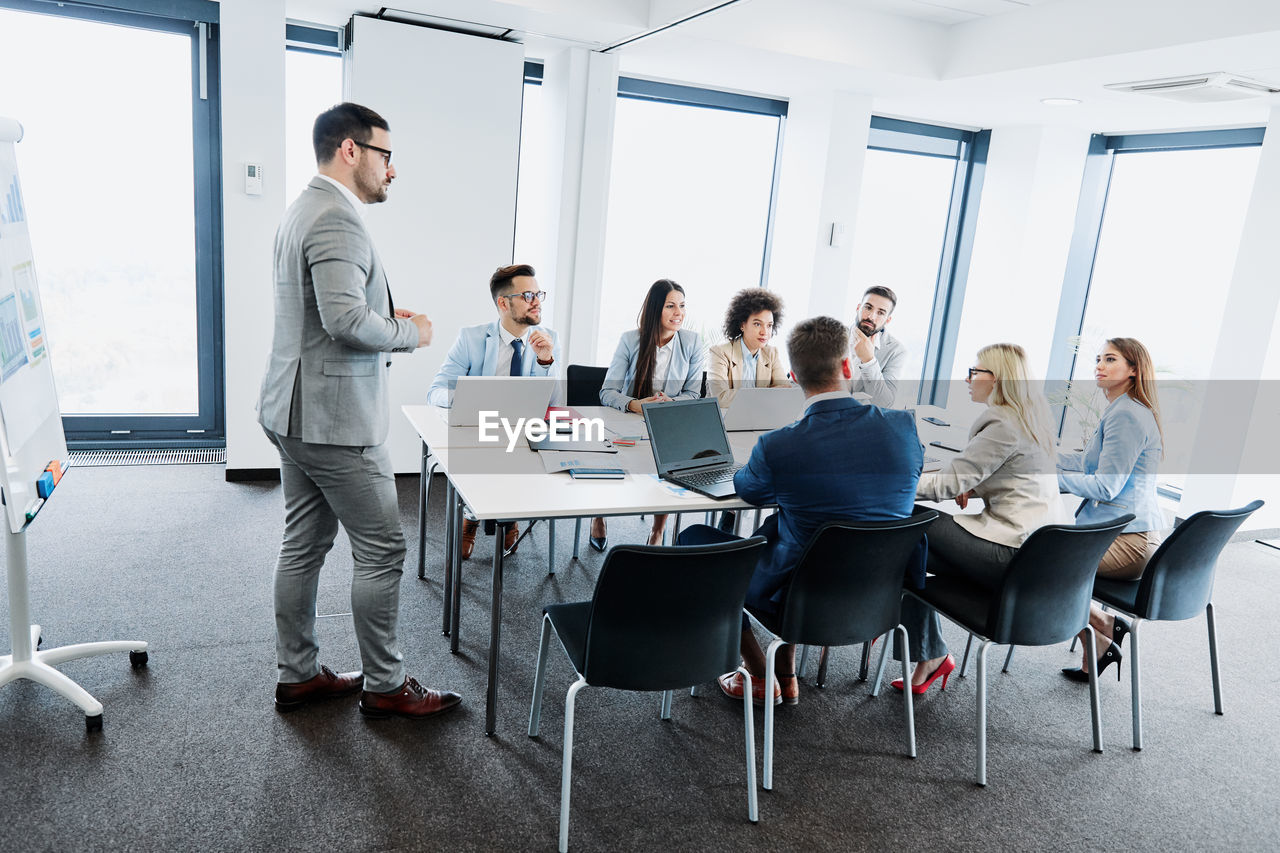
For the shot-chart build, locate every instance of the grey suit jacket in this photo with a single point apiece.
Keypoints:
(879, 377)
(326, 379)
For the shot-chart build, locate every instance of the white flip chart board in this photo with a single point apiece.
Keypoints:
(30, 422)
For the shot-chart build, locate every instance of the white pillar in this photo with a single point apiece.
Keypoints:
(580, 91)
(820, 182)
(252, 83)
(1026, 216)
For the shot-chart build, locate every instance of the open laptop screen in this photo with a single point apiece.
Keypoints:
(687, 432)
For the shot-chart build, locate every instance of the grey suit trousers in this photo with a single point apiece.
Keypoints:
(324, 485)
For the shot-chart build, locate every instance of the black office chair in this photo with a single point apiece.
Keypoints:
(1042, 600)
(661, 618)
(1176, 585)
(582, 388)
(846, 589)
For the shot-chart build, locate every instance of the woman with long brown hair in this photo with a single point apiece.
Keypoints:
(1116, 474)
(655, 363)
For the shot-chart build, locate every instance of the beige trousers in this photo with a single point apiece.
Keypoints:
(1128, 556)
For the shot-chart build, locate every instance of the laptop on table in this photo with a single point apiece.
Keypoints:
(690, 446)
(502, 397)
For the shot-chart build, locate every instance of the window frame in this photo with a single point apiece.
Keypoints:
(195, 19)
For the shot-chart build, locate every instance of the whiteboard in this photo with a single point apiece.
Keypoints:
(30, 422)
(453, 103)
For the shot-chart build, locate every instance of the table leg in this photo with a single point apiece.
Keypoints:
(423, 485)
(495, 635)
(449, 510)
(455, 566)
(551, 547)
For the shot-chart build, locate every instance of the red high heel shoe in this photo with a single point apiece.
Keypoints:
(944, 669)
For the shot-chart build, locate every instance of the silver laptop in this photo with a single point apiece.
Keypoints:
(510, 398)
(755, 408)
(690, 446)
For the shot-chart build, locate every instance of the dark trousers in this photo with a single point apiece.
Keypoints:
(953, 552)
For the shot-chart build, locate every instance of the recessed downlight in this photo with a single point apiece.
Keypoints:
(1060, 102)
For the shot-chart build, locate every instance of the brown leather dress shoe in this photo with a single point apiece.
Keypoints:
(511, 538)
(468, 537)
(411, 700)
(326, 685)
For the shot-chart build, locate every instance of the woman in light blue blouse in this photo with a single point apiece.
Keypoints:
(655, 363)
(1116, 474)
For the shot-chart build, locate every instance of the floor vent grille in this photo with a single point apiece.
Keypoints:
(192, 456)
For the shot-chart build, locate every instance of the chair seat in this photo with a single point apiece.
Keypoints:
(965, 602)
(571, 621)
(1121, 594)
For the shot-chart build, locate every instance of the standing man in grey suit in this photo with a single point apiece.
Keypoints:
(324, 406)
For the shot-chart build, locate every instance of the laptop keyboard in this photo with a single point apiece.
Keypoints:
(710, 478)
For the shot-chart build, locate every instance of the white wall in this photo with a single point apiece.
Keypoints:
(252, 80)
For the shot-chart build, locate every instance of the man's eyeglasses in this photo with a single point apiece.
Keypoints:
(529, 296)
(386, 155)
(973, 370)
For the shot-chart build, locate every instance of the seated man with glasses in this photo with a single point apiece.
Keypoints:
(512, 345)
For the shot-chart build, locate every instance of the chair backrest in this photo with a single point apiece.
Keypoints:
(1178, 582)
(847, 587)
(668, 617)
(583, 384)
(1044, 598)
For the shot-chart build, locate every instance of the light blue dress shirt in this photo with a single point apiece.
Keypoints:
(1116, 473)
(750, 364)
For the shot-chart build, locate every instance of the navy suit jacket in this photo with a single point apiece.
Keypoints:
(842, 460)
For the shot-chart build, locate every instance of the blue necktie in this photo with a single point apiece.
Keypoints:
(517, 357)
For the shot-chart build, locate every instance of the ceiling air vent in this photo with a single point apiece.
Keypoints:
(1200, 88)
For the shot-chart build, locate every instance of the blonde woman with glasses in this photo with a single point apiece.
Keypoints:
(1008, 462)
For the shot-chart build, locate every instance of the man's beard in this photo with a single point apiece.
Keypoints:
(862, 327)
(528, 319)
(374, 190)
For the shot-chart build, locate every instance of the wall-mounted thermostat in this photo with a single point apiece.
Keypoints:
(252, 179)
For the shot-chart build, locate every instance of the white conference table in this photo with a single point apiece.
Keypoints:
(501, 486)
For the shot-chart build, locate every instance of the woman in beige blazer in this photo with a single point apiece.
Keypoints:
(1010, 463)
(753, 317)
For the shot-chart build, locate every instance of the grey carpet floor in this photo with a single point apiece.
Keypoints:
(193, 757)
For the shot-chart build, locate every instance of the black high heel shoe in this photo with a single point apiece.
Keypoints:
(1110, 656)
(1119, 631)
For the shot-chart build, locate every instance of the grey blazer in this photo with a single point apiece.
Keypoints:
(326, 379)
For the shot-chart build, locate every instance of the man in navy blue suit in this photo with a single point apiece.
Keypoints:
(842, 460)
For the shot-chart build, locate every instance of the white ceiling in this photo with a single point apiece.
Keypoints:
(975, 63)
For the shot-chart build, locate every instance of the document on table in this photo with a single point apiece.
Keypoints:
(557, 460)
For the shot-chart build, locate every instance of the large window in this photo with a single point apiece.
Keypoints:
(119, 166)
(690, 197)
(313, 84)
(1165, 250)
(917, 184)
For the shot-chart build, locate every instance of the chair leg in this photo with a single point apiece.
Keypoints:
(577, 536)
(803, 668)
(1135, 676)
(539, 679)
(1008, 658)
(908, 701)
(770, 679)
(964, 663)
(1213, 659)
(1095, 704)
(982, 710)
(824, 658)
(865, 665)
(1074, 640)
(664, 712)
(566, 762)
(749, 729)
(884, 658)
(675, 532)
